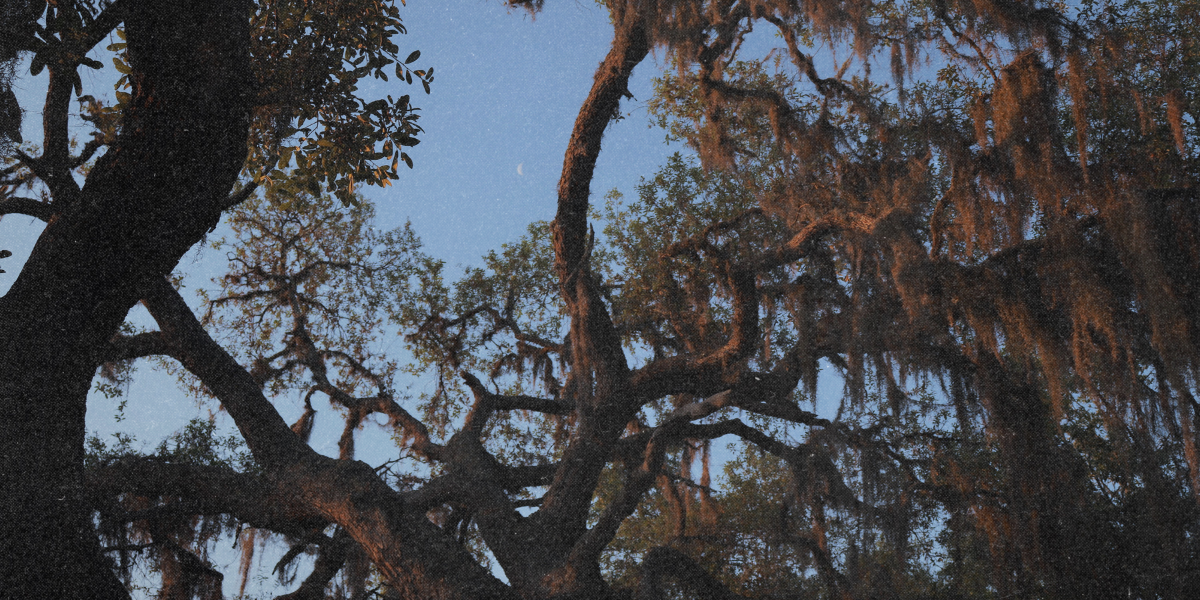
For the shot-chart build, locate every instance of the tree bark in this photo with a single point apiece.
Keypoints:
(150, 198)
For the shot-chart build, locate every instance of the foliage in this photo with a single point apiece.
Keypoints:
(311, 58)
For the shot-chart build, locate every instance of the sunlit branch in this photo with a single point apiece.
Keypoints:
(981, 56)
(706, 375)
(358, 409)
(402, 543)
(356, 366)
(500, 321)
(699, 243)
(828, 86)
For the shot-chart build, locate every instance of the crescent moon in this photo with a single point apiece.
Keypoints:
(520, 171)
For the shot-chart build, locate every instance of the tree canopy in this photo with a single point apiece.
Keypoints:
(994, 245)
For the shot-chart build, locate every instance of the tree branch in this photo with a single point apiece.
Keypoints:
(409, 551)
(329, 562)
(662, 562)
(599, 368)
(202, 490)
(487, 403)
(265, 432)
(16, 205)
(56, 162)
(240, 195)
(142, 345)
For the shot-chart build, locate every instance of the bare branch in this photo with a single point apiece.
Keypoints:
(240, 196)
(329, 562)
(486, 403)
(16, 205)
(265, 432)
(126, 347)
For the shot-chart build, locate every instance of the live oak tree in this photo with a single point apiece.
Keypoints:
(203, 79)
(995, 243)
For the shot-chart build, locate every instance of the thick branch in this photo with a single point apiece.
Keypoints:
(707, 375)
(203, 490)
(595, 342)
(329, 562)
(487, 403)
(266, 433)
(409, 551)
(147, 200)
(142, 345)
(17, 205)
(599, 369)
(630, 46)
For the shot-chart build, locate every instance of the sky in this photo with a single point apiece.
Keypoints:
(497, 122)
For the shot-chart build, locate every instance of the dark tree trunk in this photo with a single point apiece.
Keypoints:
(151, 197)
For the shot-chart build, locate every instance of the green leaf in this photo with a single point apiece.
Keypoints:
(121, 66)
(411, 57)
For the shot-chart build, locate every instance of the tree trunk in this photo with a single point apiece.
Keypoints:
(148, 199)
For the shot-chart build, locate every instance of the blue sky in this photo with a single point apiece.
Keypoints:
(506, 93)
